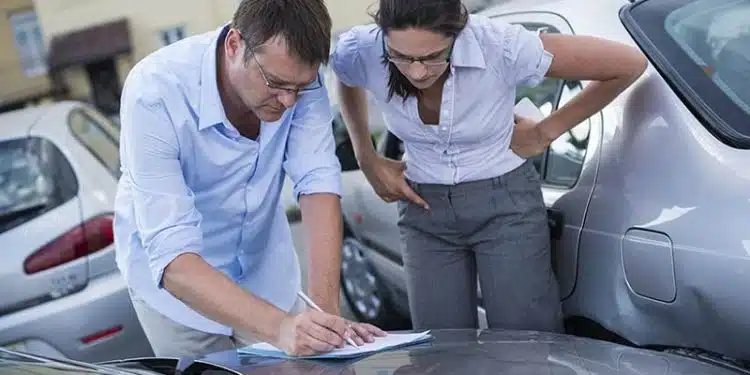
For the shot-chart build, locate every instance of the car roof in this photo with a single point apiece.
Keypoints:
(18, 123)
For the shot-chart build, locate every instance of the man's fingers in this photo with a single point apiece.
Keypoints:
(312, 345)
(336, 325)
(305, 344)
(412, 196)
(323, 334)
(374, 330)
(358, 339)
(363, 332)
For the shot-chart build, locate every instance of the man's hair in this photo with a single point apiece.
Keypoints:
(304, 25)
(448, 17)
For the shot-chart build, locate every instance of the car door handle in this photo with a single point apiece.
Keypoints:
(555, 220)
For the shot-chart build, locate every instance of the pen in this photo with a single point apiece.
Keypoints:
(312, 304)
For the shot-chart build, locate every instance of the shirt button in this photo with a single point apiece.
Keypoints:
(443, 128)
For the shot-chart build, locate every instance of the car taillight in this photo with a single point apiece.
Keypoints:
(85, 239)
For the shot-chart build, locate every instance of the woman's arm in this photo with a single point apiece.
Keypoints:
(353, 107)
(611, 66)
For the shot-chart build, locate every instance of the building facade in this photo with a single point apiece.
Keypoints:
(23, 67)
(84, 49)
(93, 44)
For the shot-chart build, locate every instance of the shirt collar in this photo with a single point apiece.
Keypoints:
(211, 111)
(466, 50)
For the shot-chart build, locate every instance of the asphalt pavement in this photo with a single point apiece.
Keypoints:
(299, 242)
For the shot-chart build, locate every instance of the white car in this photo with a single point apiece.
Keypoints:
(62, 294)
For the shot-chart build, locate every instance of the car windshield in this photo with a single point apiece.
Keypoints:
(702, 49)
(716, 36)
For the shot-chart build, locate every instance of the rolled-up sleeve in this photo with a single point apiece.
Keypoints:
(165, 216)
(524, 61)
(310, 158)
(346, 61)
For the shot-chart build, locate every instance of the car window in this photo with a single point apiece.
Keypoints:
(35, 177)
(724, 52)
(565, 156)
(99, 136)
(702, 48)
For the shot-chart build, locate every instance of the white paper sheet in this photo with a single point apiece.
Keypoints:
(526, 108)
(390, 341)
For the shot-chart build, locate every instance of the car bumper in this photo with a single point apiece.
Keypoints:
(96, 324)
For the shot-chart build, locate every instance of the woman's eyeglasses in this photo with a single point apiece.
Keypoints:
(441, 59)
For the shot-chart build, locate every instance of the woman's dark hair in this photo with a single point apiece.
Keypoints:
(448, 17)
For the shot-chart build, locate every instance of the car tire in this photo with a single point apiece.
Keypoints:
(363, 289)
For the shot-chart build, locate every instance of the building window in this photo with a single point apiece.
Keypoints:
(172, 34)
(29, 42)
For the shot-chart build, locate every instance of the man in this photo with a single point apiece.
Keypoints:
(209, 126)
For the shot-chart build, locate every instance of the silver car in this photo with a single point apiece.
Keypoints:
(648, 201)
(450, 352)
(62, 294)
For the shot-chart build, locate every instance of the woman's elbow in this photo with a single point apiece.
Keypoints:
(637, 63)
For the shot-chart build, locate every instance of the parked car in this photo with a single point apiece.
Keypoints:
(63, 295)
(648, 200)
(451, 352)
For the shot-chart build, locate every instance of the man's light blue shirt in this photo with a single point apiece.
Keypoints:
(191, 183)
(489, 60)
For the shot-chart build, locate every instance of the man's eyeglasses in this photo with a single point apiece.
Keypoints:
(315, 85)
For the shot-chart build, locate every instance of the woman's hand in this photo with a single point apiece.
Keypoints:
(527, 140)
(387, 178)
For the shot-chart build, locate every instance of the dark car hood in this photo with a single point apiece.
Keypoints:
(483, 352)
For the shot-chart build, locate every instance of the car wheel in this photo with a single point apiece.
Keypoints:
(364, 290)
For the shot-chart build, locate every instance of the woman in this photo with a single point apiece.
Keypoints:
(470, 201)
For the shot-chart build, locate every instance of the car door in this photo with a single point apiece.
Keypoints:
(568, 167)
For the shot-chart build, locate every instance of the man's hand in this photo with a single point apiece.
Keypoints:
(528, 140)
(312, 332)
(387, 178)
(365, 333)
